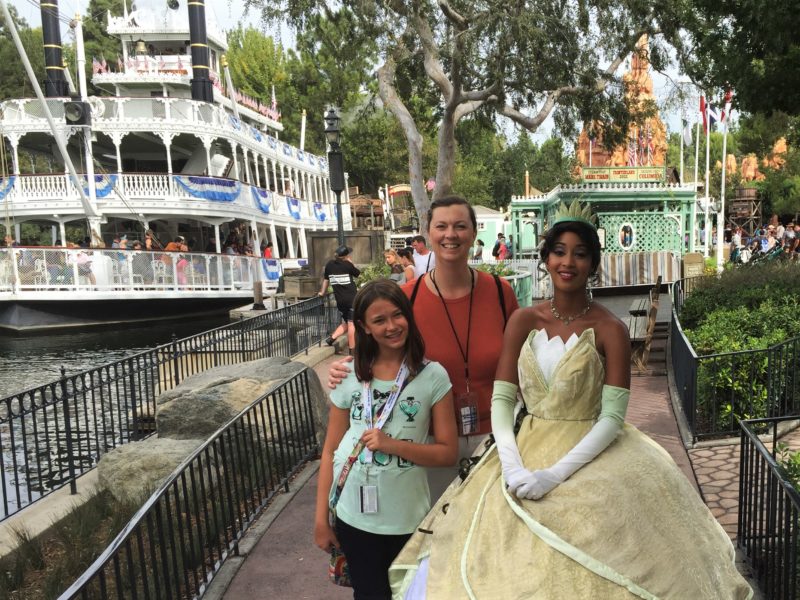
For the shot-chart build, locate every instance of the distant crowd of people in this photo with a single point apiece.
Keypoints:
(771, 241)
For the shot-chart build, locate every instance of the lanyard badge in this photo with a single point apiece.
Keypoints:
(466, 403)
(387, 408)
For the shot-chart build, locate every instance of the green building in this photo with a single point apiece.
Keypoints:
(645, 224)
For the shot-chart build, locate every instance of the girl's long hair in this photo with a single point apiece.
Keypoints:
(366, 350)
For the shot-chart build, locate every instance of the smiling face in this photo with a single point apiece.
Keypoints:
(569, 262)
(386, 323)
(451, 233)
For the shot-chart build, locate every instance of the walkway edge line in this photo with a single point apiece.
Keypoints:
(219, 585)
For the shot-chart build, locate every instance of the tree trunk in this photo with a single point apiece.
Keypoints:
(413, 138)
(446, 159)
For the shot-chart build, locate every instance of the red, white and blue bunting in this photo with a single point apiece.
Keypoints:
(103, 185)
(237, 124)
(301, 155)
(6, 183)
(272, 268)
(273, 143)
(319, 212)
(210, 188)
(256, 134)
(262, 199)
(287, 149)
(294, 207)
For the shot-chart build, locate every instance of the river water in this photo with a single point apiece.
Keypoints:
(26, 362)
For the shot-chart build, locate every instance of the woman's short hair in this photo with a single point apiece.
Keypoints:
(366, 347)
(453, 201)
(587, 233)
(391, 252)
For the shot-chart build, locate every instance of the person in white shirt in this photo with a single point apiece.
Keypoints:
(424, 259)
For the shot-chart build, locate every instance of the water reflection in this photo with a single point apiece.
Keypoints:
(26, 362)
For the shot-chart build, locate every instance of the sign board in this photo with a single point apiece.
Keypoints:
(622, 174)
(741, 209)
(693, 264)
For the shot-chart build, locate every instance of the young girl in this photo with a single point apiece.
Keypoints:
(385, 495)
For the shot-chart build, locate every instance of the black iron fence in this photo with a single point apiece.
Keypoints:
(769, 507)
(51, 434)
(177, 542)
(717, 390)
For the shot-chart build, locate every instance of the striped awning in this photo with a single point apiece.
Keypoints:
(619, 269)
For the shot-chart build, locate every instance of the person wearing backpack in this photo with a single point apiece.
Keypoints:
(497, 244)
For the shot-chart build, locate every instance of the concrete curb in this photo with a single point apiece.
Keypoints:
(219, 585)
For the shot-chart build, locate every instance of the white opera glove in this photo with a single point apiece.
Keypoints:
(504, 399)
(614, 405)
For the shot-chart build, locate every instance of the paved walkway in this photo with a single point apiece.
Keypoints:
(281, 561)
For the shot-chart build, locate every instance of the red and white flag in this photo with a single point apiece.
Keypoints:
(727, 100)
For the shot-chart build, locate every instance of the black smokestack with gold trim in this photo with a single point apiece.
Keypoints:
(201, 84)
(55, 84)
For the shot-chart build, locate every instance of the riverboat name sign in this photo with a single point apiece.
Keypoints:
(622, 174)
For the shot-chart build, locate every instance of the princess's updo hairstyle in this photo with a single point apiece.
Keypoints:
(453, 201)
(587, 234)
(366, 347)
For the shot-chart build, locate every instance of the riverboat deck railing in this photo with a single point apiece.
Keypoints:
(313, 207)
(51, 434)
(716, 390)
(769, 512)
(178, 540)
(40, 269)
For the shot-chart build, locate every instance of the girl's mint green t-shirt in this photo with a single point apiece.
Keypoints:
(403, 494)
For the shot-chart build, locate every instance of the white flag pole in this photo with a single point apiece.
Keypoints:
(721, 213)
(707, 233)
(693, 238)
(681, 136)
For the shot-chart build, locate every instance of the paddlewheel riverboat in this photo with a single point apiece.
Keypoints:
(173, 149)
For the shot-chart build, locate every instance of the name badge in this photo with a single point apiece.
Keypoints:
(369, 499)
(467, 413)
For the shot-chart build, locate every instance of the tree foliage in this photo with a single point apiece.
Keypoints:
(97, 43)
(520, 60)
(751, 47)
(14, 82)
(780, 189)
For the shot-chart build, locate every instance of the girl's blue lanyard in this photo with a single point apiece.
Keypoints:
(402, 373)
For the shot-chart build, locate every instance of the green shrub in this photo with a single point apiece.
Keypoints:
(789, 460)
(500, 269)
(374, 271)
(746, 286)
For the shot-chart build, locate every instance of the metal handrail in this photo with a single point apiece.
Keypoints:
(178, 540)
(769, 513)
(51, 434)
(716, 390)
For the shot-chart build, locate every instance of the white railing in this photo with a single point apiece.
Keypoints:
(541, 286)
(180, 115)
(34, 189)
(36, 269)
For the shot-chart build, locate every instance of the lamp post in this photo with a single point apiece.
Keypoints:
(335, 166)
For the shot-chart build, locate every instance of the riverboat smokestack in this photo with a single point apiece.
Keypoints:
(201, 84)
(55, 84)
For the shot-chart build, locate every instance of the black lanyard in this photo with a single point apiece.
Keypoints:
(464, 353)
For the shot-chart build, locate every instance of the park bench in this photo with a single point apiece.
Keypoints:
(641, 327)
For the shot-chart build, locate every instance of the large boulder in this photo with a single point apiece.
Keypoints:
(189, 414)
(202, 403)
(131, 472)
